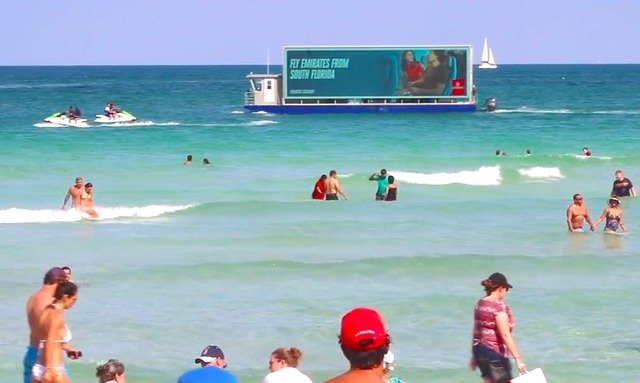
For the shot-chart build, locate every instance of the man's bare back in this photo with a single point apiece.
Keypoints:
(333, 187)
(36, 304)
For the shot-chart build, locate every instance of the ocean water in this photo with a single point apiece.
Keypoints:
(235, 253)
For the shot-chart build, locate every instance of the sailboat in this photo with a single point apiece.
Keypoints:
(487, 60)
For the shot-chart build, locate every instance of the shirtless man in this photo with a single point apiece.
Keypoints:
(36, 305)
(577, 213)
(333, 187)
(75, 191)
(364, 342)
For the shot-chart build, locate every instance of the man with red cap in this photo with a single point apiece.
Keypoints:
(364, 342)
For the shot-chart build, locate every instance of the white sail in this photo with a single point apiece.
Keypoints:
(487, 60)
(485, 51)
(491, 61)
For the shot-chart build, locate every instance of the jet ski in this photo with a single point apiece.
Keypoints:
(121, 116)
(60, 118)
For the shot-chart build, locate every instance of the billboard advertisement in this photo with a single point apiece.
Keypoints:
(377, 72)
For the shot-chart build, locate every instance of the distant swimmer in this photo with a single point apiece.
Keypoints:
(622, 186)
(320, 188)
(498, 151)
(586, 152)
(75, 191)
(382, 183)
(86, 201)
(391, 191)
(528, 152)
(333, 187)
(614, 217)
(205, 161)
(188, 161)
(577, 213)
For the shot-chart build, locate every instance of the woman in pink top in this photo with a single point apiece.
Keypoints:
(492, 339)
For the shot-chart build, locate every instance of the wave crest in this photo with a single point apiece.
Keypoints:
(484, 176)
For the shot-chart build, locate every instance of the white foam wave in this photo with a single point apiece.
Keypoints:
(262, 122)
(583, 157)
(624, 112)
(484, 176)
(263, 113)
(539, 172)
(237, 112)
(16, 215)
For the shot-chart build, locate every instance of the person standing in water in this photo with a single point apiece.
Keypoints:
(614, 217)
(50, 365)
(382, 183)
(577, 213)
(75, 192)
(320, 188)
(86, 201)
(492, 340)
(333, 187)
(391, 191)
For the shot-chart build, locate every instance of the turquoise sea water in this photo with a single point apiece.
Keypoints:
(235, 253)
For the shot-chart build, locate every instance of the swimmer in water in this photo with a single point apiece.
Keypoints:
(577, 213)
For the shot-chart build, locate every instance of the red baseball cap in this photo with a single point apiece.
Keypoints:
(363, 329)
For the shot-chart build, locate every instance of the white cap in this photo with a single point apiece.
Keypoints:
(387, 361)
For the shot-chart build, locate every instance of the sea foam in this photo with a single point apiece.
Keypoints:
(17, 215)
(484, 176)
(539, 172)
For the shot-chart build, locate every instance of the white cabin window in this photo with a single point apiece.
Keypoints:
(269, 84)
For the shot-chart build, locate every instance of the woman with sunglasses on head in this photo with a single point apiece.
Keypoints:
(283, 365)
(614, 217)
(50, 365)
(492, 340)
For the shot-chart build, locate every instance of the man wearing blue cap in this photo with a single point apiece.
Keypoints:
(213, 365)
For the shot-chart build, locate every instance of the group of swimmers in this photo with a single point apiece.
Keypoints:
(81, 195)
(612, 215)
(328, 188)
(189, 161)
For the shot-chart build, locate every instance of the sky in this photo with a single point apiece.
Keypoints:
(215, 32)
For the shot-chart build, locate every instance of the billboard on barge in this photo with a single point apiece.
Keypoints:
(377, 72)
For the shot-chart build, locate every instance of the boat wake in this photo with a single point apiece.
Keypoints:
(484, 176)
(16, 215)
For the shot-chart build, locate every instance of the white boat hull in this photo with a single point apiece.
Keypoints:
(119, 118)
(487, 66)
(66, 121)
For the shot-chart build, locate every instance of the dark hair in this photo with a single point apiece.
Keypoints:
(366, 360)
(441, 55)
(383, 172)
(404, 61)
(391, 179)
(109, 370)
(88, 185)
(66, 268)
(291, 356)
(332, 173)
(489, 286)
(189, 157)
(205, 161)
(323, 177)
(65, 288)
(576, 195)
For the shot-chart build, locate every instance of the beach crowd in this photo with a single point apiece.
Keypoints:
(363, 339)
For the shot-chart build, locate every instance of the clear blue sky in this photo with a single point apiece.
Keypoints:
(172, 32)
